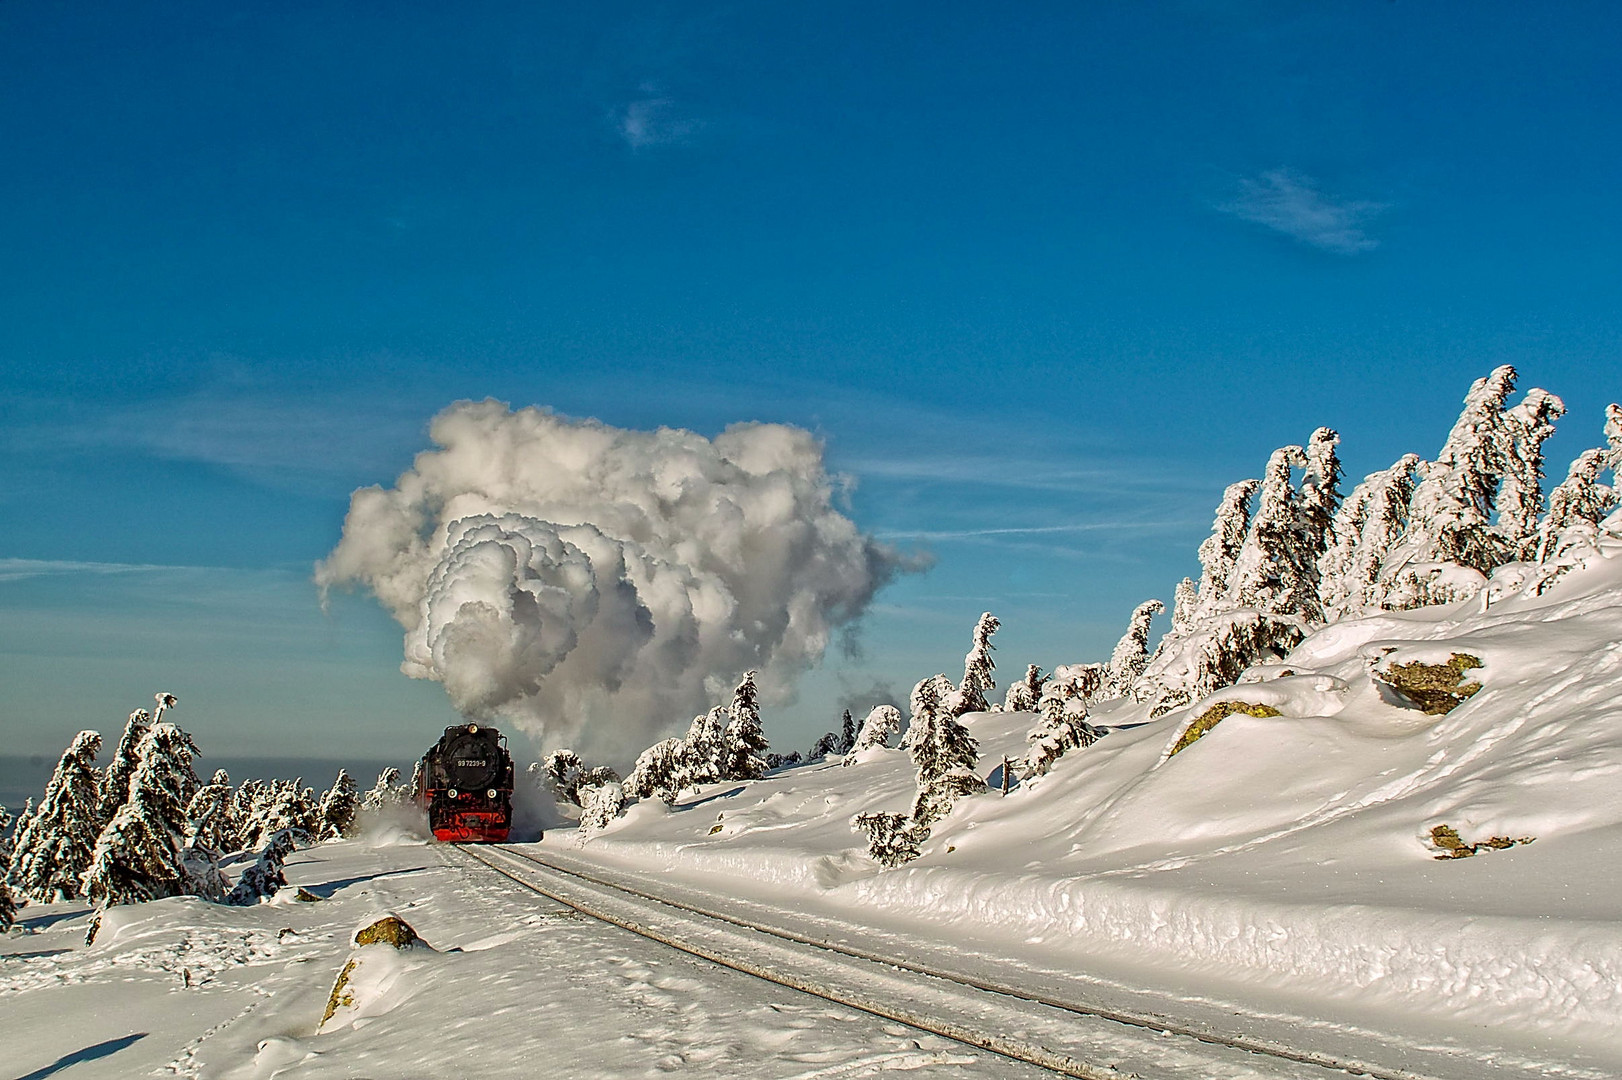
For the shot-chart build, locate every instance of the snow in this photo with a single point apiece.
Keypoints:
(1280, 864)
(509, 985)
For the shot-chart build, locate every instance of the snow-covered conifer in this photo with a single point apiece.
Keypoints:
(1520, 495)
(562, 774)
(943, 751)
(660, 770)
(1613, 440)
(277, 808)
(1320, 489)
(706, 747)
(337, 810)
(8, 903)
(261, 880)
(247, 804)
(1063, 726)
(115, 787)
(1022, 695)
(6, 839)
(744, 740)
(1220, 551)
(883, 723)
(208, 818)
(378, 796)
(1579, 500)
(138, 856)
(52, 845)
(847, 733)
(977, 669)
(1452, 505)
(1215, 655)
(892, 839)
(827, 745)
(414, 787)
(600, 804)
(1131, 653)
(1277, 567)
(1368, 526)
(1185, 603)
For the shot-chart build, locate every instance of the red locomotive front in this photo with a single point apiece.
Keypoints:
(468, 785)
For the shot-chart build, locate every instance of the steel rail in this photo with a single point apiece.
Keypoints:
(1021, 1050)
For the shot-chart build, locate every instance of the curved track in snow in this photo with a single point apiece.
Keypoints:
(1069, 1038)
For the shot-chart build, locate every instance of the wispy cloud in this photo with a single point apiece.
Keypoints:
(22, 569)
(1033, 530)
(655, 120)
(1293, 204)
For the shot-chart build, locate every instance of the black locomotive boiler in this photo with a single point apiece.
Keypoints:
(468, 785)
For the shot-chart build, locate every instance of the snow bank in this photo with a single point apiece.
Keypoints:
(1278, 855)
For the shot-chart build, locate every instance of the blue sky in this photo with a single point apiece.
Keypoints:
(1045, 278)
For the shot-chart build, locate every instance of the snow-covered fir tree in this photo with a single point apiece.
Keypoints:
(52, 846)
(1219, 552)
(379, 795)
(1063, 726)
(266, 875)
(1520, 494)
(1613, 440)
(943, 752)
(6, 841)
(138, 856)
(1215, 655)
(209, 835)
(278, 807)
(1277, 567)
(883, 723)
(1320, 492)
(847, 733)
(338, 806)
(1452, 506)
(1370, 523)
(562, 774)
(1023, 695)
(827, 745)
(414, 787)
(1185, 606)
(208, 817)
(1579, 501)
(660, 770)
(1131, 653)
(706, 747)
(309, 809)
(977, 669)
(8, 903)
(600, 804)
(744, 745)
(246, 802)
(892, 839)
(115, 786)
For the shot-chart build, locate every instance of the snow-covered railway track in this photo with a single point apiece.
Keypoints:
(1069, 1038)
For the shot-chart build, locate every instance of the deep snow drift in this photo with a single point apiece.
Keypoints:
(1284, 862)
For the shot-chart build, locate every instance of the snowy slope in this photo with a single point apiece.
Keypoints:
(1282, 864)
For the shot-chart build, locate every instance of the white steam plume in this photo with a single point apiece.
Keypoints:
(597, 586)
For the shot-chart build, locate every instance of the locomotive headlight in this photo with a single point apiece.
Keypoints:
(451, 793)
(491, 793)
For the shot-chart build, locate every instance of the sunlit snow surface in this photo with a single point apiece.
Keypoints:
(514, 985)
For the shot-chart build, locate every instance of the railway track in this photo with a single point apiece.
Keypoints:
(1067, 1037)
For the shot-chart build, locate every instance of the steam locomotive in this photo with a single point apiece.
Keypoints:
(468, 785)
